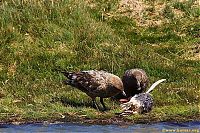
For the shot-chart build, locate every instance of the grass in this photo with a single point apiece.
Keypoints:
(38, 37)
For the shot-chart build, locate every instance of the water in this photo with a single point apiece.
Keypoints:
(164, 127)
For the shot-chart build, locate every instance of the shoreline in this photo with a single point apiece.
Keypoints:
(116, 120)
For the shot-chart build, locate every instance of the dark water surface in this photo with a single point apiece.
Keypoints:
(164, 127)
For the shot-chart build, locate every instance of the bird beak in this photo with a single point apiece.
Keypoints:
(138, 84)
(123, 93)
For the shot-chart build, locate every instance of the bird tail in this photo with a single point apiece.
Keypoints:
(69, 75)
(155, 84)
(71, 78)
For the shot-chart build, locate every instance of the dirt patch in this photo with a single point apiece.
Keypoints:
(193, 52)
(133, 9)
(147, 14)
(143, 13)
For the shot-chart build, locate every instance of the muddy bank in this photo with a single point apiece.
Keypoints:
(116, 120)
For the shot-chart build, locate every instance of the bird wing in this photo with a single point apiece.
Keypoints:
(87, 81)
(95, 80)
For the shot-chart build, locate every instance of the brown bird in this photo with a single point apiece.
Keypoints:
(95, 84)
(135, 81)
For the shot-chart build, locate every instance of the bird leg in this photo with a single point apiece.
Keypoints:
(104, 107)
(95, 105)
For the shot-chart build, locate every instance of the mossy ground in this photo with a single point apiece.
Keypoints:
(39, 37)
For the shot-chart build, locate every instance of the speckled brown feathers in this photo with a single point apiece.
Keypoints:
(135, 81)
(95, 83)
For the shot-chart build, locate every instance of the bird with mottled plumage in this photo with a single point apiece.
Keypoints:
(135, 81)
(140, 103)
(95, 84)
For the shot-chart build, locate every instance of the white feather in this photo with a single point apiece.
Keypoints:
(155, 84)
(133, 101)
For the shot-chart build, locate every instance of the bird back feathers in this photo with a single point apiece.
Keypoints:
(95, 83)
